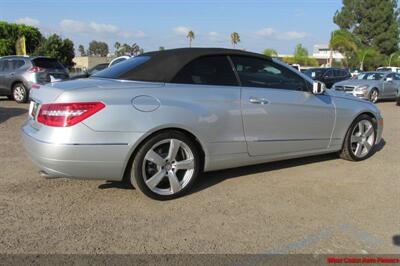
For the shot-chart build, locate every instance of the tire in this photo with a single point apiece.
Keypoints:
(155, 160)
(398, 101)
(373, 95)
(359, 145)
(20, 93)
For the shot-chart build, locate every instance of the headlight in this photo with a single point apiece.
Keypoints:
(362, 88)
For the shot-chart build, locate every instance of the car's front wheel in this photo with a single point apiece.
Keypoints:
(359, 142)
(166, 165)
(20, 93)
(374, 95)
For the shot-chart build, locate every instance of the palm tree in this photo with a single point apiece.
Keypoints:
(190, 36)
(135, 49)
(117, 46)
(364, 52)
(235, 38)
(343, 41)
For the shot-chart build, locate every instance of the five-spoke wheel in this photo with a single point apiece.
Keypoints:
(360, 139)
(165, 165)
(374, 95)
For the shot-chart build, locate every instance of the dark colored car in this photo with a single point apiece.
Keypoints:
(329, 76)
(91, 71)
(19, 73)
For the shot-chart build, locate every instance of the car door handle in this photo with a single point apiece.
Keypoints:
(258, 100)
(12, 74)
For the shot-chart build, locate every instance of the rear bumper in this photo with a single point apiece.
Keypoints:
(77, 160)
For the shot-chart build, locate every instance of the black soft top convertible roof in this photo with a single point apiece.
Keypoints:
(164, 65)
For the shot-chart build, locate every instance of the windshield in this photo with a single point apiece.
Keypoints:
(116, 71)
(314, 72)
(370, 76)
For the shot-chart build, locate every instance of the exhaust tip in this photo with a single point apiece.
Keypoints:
(46, 175)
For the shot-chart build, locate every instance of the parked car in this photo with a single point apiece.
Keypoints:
(91, 71)
(118, 60)
(372, 86)
(161, 118)
(329, 76)
(391, 69)
(19, 73)
(355, 72)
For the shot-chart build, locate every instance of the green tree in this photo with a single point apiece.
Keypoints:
(393, 59)
(374, 23)
(235, 39)
(344, 42)
(270, 52)
(161, 48)
(135, 49)
(81, 50)
(301, 57)
(98, 48)
(10, 32)
(117, 47)
(191, 37)
(55, 47)
(364, 53)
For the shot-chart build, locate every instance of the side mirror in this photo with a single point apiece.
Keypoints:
(318, 87)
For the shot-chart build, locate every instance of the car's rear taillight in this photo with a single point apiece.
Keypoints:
(36, 69)
(67, 114)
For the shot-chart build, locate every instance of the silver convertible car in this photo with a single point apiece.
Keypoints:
(161, 118)
(371, 86)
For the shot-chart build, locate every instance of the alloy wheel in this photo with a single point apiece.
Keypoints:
(168, 166)
(374, 96)
(19, 93)
(362, 138)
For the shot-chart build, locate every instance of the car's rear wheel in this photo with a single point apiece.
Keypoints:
(166, 165)
(374, 95)
(360, 139)
(20, 93)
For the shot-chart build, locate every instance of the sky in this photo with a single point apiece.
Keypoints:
(153, 23)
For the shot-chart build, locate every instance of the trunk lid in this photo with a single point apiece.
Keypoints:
(50, 92)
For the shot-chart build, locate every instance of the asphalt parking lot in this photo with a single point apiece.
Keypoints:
(313, 205)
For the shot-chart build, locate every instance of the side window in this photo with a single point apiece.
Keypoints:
(391, 75)
(255, 72)
(338, 73)
(397, 76)
(7, 67)
(209, 70)
(18, 63)
(329, 74)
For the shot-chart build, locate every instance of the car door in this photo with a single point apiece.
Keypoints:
(2, 75)
(397, 83)
(280, 114)
(389, 86)
(5, 76)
